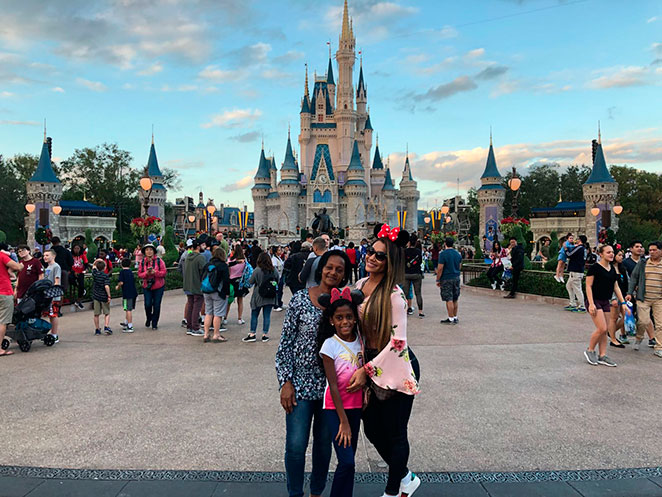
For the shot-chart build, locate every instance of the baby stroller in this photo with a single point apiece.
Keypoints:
(28, 325)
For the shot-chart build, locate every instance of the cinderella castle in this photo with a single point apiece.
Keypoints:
(334, 172)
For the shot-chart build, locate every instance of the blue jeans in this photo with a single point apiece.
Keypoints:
(343, 478)
(266, 318)
(153, 305)
(281, 287)
(297, 425)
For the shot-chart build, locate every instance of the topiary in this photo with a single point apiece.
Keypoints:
(479, 252)
(553, 244)
(92, 248)
(3, 236)
(171, 252)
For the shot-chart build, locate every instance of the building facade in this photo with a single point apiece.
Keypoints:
(491, 196)
(44, 192)
(333, 171)
(157, 195)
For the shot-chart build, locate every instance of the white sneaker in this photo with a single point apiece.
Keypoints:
(278, 309)
(128, 329)
(409, 484)
(222, 329)
(636, 345)
(240, 321)
(494, 286)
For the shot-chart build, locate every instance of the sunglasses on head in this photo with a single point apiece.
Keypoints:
(380, 256)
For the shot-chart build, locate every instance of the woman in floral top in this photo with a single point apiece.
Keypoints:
(391, 367)
(302, 379)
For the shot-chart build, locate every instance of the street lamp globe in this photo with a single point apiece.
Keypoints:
(30, 207)
(211, 208)
(618, 209)
(57, 209)
(426, 219)
(146, 183)
(514, 183)
(191, 218)
(595, 210)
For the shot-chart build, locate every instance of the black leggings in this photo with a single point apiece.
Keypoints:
(78, 280)
(494, 274)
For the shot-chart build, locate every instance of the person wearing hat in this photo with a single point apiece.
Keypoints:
(152, 271)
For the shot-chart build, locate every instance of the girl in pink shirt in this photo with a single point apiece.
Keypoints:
(341, 351)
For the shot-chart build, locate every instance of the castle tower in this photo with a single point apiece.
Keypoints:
(44, 191)
(389, 199)
(377, 173)
(305, 119)
(356, 190)
(491, 196)
(600, 191)
(409, 196)
(288, 190)
(345, 114)
(330, 82)
(260, 191)
(157, 198)
(361, 99)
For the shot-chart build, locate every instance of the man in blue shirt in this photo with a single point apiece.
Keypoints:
(448, 279)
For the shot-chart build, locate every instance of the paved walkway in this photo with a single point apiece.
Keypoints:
(505, 390)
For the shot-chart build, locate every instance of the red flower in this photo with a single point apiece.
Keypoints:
(369, 370)
(398, 345)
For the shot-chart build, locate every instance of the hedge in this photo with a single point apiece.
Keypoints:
(533, 282)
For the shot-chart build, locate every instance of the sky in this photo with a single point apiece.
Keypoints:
(215, 77)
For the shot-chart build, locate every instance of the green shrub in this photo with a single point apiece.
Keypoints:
(479, 252)
(533, 282)
(3, 236)
(553, 245)
(92, 248)
(171, 254)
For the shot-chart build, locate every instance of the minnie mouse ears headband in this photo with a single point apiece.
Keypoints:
(352, 296)
(396, 235)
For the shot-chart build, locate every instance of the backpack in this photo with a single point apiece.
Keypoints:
(269, 287)
(211, 279)
(246, 276)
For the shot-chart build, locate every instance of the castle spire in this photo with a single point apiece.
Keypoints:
(346, 33)
(490, 136)
(305, 91)
(491, 170)
(152, 134)
(599, 134)
(45, 130)
(329, 71)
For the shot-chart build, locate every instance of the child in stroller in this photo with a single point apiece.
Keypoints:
(28, 325)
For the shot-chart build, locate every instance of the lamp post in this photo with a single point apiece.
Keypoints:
(191, 219)
(514, 184)
(146, 184)
(211, 208)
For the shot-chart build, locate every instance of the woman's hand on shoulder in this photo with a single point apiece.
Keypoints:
(357, 381)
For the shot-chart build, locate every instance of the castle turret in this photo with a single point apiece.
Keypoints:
(361, 97)
(260, 191)
(356, 190)
(491, 196)
(44, 191)
(377, 173)
(288, 190)
(157, 197)
(345, 114)
(600, 191)
(409, 196)
(330, 82)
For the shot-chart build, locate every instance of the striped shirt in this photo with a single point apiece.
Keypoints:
(653, 280)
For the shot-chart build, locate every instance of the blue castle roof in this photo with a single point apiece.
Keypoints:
(153, 164)
(377, 161)
(600, 173)
(491, 170)
(44, 172)
(289, 164)
(322, 151)
(329, 74)
(325, 92)
(388, 181)
(361, 85)
(305, 105)
(368, 124)
(79, 206)
(355, 161)
(263, 167)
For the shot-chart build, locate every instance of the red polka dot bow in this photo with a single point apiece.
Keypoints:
(336, 294)
(387, 232)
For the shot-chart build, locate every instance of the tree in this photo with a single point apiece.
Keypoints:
(13, 198)
(478, 251)
(540, 188)
(171, 254)
(572, 182)
(474, 212)
(92, 248)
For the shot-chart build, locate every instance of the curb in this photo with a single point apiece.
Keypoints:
(521, 296)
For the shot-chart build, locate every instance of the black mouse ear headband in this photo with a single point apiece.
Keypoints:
(396, 235)
(354, 296)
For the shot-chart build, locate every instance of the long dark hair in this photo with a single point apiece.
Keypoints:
(494, 245)
(264, 262)
(378, 314)
(326, 329)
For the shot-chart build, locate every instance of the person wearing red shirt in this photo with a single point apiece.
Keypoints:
(78, 271)
(351, 253)
(6, 296)
(32, 271)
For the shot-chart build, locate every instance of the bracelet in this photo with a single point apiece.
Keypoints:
(622, 303)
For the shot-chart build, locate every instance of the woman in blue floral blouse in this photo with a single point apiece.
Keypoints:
(302, 379)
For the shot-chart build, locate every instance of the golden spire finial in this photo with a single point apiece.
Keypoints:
(560, 197)
(263, 143)
(345, 35)
(288, 130)
(329, 43)
(152, 134)
(44, 130)
(378, 139)
(490, 136)
(599, 134)
(306, 89)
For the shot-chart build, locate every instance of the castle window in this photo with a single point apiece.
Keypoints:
(320, 118)
(319, 198)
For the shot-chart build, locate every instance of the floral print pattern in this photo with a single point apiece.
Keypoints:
(296, 358)
(391, 369)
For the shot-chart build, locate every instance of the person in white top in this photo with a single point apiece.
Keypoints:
(278, 263)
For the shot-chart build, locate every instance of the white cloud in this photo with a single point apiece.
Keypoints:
(475, 53)
(6, 94)
(21, 123)
(620, 77)
(91, 85)
(244, 182)
(233, 118)
(651, 19)
(218, 75)
(182, 88)
(458, 85)
(155, 68)
(57, 89)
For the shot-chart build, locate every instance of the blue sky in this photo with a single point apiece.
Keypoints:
(214, 77)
